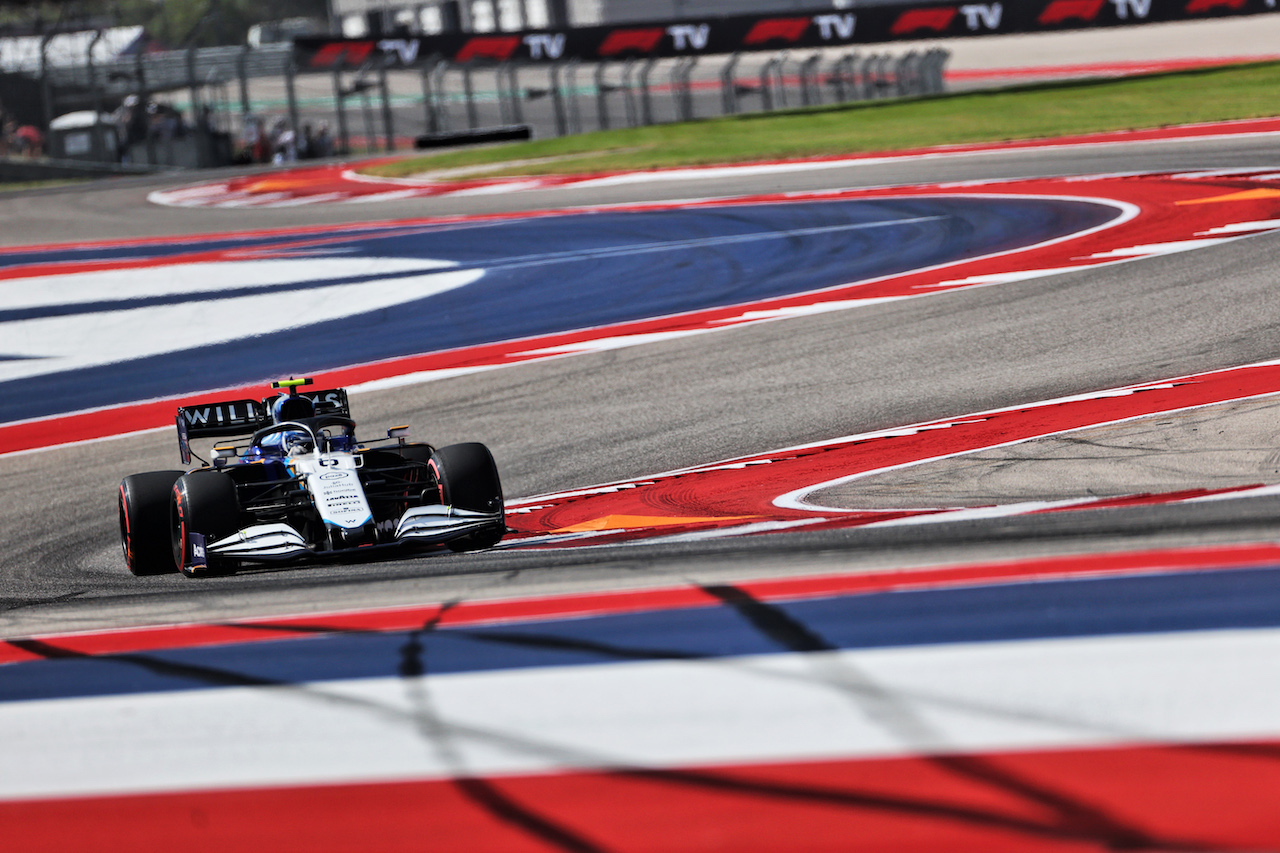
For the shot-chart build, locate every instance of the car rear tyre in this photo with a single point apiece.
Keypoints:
(144, 522)
(203, 502)
(469, 480)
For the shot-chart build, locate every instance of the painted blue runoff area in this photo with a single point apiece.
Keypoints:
(542, 276)
(1189, 601)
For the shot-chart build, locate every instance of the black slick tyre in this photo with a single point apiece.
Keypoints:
(469, 480)
(144, 522)
(203, 502)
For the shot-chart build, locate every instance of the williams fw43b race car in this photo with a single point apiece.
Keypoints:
(302, 487)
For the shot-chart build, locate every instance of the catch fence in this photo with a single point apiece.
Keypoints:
(205, 107)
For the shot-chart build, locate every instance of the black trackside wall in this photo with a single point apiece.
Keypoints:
(822, 28)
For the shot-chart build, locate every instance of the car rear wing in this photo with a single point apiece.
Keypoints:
(226, 418)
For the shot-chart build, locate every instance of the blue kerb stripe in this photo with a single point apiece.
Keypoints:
(551, 275)
(741, 626)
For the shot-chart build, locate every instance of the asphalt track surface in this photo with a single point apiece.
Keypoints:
(602, 417)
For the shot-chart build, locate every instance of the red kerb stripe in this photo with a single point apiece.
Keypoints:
(1213, 796)
(630, 601)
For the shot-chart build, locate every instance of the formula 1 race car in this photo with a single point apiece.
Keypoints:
(303, 487)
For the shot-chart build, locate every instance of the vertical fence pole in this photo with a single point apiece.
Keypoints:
(867, 74)
(810, 92)
(242, 71)
(366, 109)
(193, 82)
(602, 106)
(937, 61)
(46, 87)
(557, 100)
(99, 132)
(468, 89)
(504, 95)
(388, 121)
(628, 93)
(729, 85)
(838, 79)
(143, 97)
(339, 101)
(429, 118)
(646, 94)
(291, 96)
(782, 80)
(686, 87)
(204, 152)
(835, 79)
(441, 96)
(902, 73)
(677, 100)
(517, 110)
(766, 83)
(571, 87)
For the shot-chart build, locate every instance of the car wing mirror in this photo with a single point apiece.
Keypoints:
(223, 452)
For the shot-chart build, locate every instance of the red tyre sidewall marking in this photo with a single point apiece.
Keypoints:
(182, 520)
(128, 534)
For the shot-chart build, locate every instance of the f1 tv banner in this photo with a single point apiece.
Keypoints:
(823, 28)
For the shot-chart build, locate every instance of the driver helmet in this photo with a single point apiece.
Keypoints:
(297, 441)
(291, 408)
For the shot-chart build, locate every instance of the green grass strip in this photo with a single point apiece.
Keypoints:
(1029, 112)
(14, 186)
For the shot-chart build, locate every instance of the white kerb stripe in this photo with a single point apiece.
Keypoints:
(1048, 694)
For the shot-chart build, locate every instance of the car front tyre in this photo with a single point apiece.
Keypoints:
(143, 505)
(468, 479)
(203, 502)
